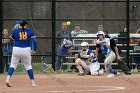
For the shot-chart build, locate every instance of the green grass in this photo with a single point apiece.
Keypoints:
(37, 68)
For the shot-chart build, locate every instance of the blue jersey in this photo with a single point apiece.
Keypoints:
(83, 55)
(22, 39)
(103, 48)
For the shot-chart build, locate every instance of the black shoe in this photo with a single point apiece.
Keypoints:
(88, 73)
(81, 74)
(76, 71)
(127, 73)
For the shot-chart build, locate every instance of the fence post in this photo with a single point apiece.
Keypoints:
(127, 26)
(53, 33)
(1, 23)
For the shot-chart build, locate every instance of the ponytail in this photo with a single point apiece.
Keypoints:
(22, 24)
(23, 29)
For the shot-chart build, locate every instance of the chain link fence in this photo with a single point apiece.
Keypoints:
(88, 14)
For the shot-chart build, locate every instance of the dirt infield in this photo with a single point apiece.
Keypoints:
(71, 83)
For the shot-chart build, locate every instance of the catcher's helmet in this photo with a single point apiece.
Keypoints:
(84, 44)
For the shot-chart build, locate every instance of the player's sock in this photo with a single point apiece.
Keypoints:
(10, 71)
(112, 71)
(31, 75)
(8, 77)
(9, 74)
(33, 83)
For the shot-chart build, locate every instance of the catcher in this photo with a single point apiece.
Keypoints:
(87, 62)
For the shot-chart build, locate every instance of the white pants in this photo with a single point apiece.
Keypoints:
(23, 54)
(93, 68)
(109, 59)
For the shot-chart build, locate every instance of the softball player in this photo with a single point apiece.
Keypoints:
(22, 51)
(87, 60)
(63, 51)
(103, 45)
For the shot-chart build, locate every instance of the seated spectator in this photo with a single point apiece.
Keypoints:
(77, 31)
(136, 41)
(100, 28)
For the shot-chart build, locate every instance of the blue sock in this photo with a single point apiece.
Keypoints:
(30, 73)
(10, 71)
(112, 71)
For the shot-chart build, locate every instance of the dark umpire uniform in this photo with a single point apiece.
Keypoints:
(122, 65)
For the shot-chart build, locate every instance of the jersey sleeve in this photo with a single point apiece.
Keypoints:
(65, 41)
(89, 52)
(32, 34)
(33, 44)
(107, 40)
(79, 55)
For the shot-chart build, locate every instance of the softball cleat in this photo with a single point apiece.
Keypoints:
(7, 82)
(34, 84)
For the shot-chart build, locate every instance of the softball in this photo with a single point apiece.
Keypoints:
(68, 23)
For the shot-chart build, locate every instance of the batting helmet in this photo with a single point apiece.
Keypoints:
(100, 33)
